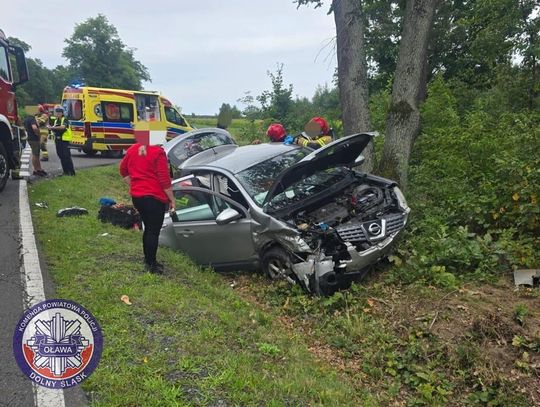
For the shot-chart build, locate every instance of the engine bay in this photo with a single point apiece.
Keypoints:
(357, 203)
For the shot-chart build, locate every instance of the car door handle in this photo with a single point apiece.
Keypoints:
(187, 232)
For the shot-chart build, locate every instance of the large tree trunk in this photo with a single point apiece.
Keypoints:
(352, 71)
(403, 124)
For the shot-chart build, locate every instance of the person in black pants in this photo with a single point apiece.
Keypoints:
(145, 169)
(59, 127)
(152, 213)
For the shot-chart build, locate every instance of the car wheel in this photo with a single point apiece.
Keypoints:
(276, 263)
(4, 167)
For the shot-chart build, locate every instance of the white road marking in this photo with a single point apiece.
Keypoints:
(25, 162)
(33, 283)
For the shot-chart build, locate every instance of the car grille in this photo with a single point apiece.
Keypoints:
(358, 232)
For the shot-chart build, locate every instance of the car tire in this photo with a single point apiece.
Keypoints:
(275, 262)
(4, 167)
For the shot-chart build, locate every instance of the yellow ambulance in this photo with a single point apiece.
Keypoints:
(102, 120)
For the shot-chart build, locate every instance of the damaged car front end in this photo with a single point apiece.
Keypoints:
(335, 244)
(332, 221)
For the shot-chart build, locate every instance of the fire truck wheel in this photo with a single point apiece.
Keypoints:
(4, 167)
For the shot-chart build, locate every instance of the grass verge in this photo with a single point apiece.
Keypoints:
(188, 338)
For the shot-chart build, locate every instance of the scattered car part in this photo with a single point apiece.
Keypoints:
(73, 211)
(529, 278)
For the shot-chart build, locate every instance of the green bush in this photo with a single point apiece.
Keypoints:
(474, 185)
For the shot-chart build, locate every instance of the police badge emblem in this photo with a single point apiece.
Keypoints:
(57, 343)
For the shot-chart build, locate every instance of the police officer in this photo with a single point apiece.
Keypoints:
(59, 127)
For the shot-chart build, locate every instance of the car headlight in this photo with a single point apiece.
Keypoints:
(402, 202)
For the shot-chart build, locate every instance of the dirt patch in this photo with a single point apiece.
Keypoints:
(476, 324)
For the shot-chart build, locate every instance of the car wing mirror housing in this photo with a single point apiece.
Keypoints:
(359, 160)
(227, 216)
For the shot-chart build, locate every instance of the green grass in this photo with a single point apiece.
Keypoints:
(187, 338)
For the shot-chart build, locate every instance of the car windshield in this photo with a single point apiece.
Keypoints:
(308, 187)
(258, 178)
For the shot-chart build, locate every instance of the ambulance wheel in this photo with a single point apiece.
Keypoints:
(4, 167)
(89, 152)
(112, 153)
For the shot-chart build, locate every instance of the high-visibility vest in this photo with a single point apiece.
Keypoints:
(321, 141)
(67, 135)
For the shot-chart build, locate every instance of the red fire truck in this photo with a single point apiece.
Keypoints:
(13, 72)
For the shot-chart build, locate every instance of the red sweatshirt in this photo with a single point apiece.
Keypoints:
(149, 174)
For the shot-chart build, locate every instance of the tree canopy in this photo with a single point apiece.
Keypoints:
(98, 56)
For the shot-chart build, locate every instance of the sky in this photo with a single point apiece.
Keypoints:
(200, 53)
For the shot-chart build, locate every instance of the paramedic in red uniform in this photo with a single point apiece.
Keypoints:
(146, 171)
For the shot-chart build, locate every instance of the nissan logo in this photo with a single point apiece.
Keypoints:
(374, 229)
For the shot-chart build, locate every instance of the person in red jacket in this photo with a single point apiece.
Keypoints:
(146, 171)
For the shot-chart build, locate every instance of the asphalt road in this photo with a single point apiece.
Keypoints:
(15, 388)
(80, 160)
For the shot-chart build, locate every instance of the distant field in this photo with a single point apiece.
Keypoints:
(243, 130)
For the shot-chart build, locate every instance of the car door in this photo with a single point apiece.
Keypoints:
(199, 235)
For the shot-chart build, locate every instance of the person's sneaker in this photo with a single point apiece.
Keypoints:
(38, 174)
(43, 173)
(44, 158)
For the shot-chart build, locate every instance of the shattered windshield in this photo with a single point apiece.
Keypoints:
(308, 187)
(258, 178)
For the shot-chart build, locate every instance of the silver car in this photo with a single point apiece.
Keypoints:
(302, 215)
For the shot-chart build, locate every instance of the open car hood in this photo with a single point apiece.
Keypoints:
(339, 153)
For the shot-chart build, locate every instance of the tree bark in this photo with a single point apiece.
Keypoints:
(403, 123)
(352, 71)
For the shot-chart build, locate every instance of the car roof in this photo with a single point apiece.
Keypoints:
(247, 156)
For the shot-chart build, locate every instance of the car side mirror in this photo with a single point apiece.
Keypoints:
(227, 216)
(359, 160)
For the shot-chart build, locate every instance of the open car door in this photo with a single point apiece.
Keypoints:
(212, 229)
